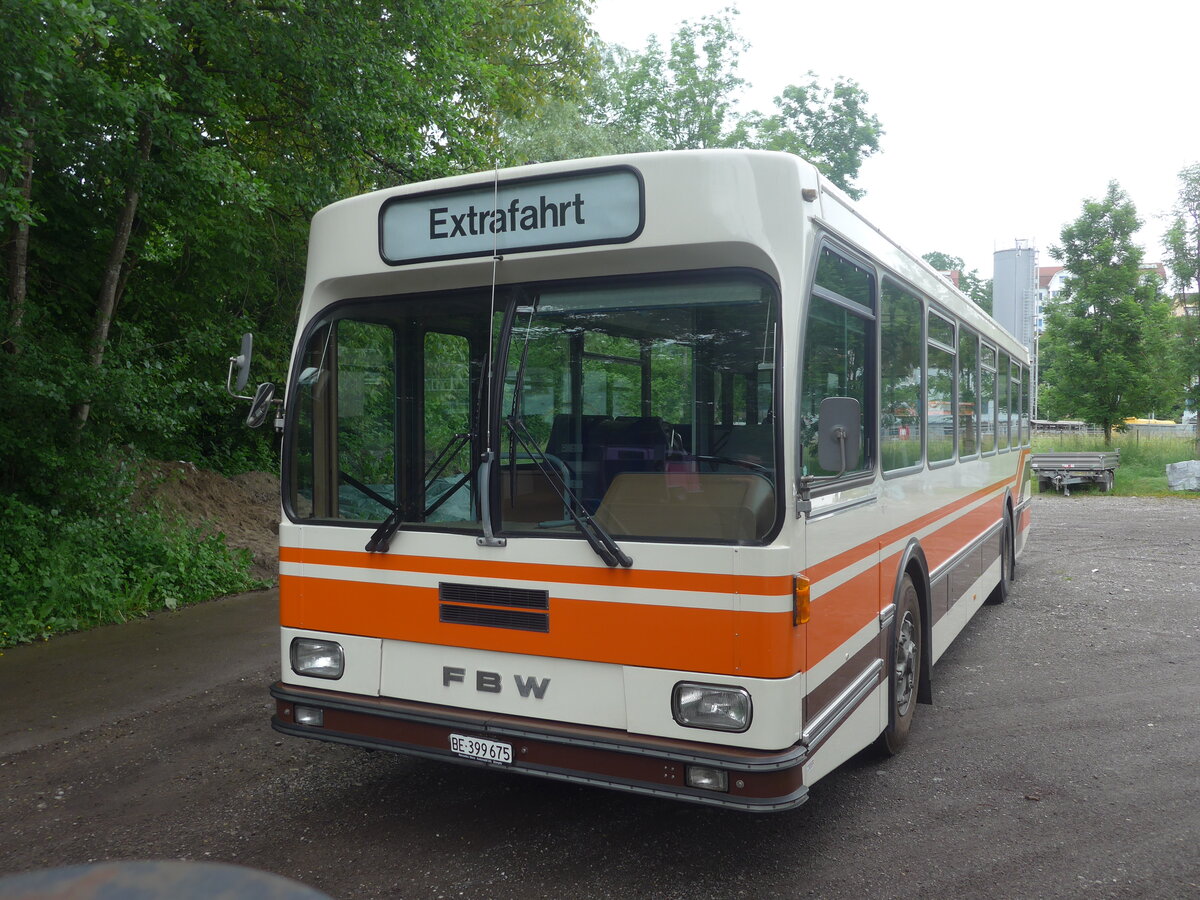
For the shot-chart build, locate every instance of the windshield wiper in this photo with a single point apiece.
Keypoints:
(593, 532)
(382, 538)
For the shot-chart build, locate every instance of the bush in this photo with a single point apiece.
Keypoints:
(75, 550)
(65, 570)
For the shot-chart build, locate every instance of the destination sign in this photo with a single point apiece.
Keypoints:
(600, 207)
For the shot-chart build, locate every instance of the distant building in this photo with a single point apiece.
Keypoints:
(951, 275)
(1015, 291)
(1051, 281)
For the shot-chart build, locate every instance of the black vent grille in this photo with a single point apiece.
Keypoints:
(489, 595)
(494, 607)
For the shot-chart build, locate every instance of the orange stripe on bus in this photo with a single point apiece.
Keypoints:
(731, 642)
(835, 564)
(841, 613)
(945, 542)
(650, 579)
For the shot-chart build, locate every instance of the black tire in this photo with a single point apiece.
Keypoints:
(1008, 563)
(904, 675)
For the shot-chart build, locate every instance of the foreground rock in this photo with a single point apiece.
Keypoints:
(1184, 476)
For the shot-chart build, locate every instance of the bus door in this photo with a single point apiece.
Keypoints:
(846, 650)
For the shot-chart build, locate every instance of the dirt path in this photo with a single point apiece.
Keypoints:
(81, 681)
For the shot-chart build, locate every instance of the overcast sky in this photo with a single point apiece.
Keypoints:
(999, 120)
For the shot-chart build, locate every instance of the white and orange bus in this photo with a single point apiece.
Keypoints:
(665, 472)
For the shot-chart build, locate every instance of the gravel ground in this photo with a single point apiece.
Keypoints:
(1058, 760)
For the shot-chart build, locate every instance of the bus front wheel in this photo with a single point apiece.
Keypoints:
(904, 676)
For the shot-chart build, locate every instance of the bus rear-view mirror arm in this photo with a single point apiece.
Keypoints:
(241, 362)
(264, 397)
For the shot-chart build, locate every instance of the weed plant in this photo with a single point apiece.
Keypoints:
(1144, 459)
(95, 557)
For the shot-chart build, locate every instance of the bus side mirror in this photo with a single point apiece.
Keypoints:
(242, 363)
(839, 434)
(261, 404)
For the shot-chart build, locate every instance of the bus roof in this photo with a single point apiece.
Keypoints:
(698, 208)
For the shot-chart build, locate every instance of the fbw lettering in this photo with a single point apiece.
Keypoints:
(544, 213)
(492, 682)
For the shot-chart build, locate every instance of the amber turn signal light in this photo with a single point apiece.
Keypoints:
(800, 610)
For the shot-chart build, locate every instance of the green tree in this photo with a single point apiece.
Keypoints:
(829, 126)
(1105, 334)
(683, 97)
(970, 283)
(676, 98)
(159, 163)
(38, 44)
(1182, 241)
(558, 129)
(1183, 236)
(161, 160)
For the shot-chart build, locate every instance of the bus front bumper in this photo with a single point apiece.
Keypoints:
(754, 780)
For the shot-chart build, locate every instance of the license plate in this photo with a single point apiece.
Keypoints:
(481, 748)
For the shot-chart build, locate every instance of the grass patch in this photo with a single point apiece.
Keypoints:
(1143, 469)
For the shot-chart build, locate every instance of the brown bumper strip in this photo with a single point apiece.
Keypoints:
(758, 780)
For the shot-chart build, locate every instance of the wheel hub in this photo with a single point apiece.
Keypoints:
(906, 664)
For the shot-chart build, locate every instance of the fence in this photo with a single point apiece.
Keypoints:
(1151, 431)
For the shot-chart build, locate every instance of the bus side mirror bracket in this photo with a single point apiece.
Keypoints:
(241, 362)
(264, 397)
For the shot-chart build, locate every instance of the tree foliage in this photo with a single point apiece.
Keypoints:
(159, 163)
(683, 96)
(1107, 333)
(827, 125)
(970, 283)
(1182, 241)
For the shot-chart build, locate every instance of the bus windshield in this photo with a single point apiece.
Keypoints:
(645, 405)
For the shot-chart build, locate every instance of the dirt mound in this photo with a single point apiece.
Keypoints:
(245, 508)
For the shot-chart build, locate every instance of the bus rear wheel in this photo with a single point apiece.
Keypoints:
(904, 677)
(1008, 562)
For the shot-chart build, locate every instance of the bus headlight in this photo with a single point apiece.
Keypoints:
(713, 706)
(317, 659)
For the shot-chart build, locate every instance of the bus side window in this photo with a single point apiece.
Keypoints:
(446, 426)
(900, 370)
(366, 420)
(1026, 433)
(987, 399)
(1003, 383)
(1014, 409)
(940, 365)
(839, 337)
(968, 393)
